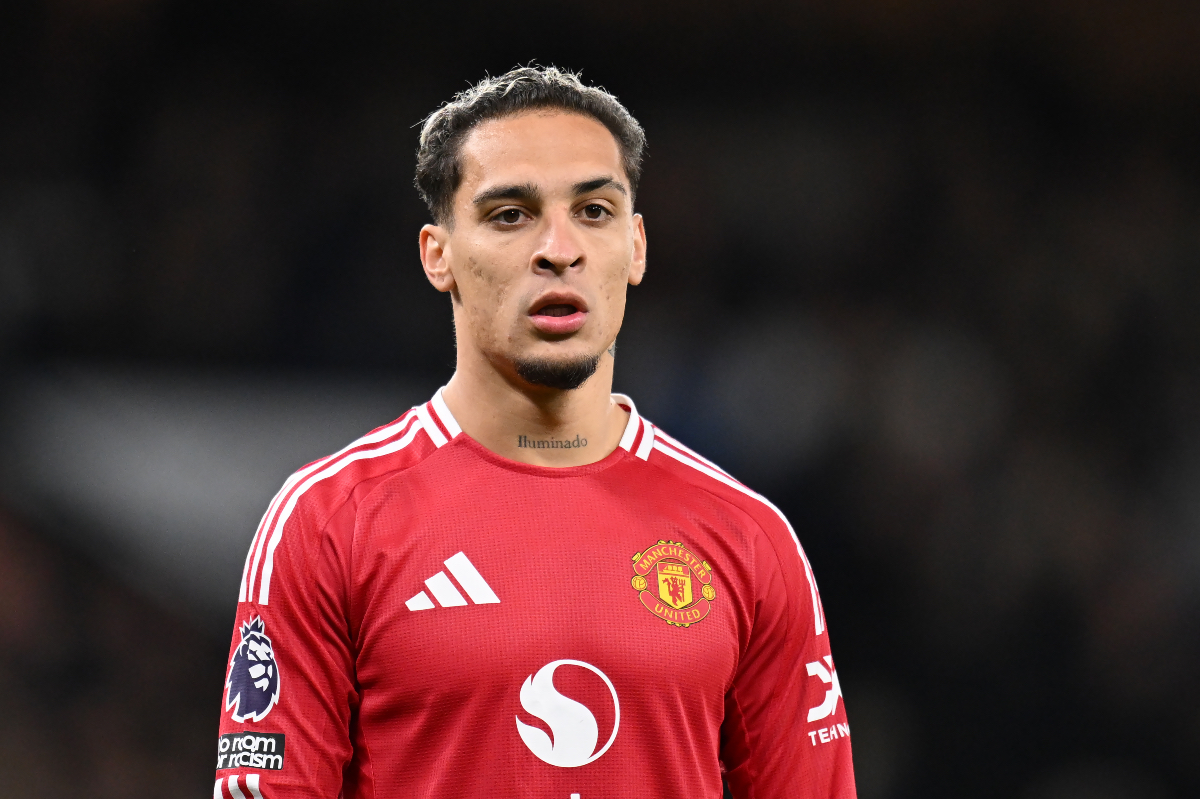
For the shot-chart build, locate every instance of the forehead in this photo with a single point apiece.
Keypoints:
(543, 147)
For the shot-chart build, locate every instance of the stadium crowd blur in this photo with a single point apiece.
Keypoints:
(924, 274)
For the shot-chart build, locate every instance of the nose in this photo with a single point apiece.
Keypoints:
(560, 248)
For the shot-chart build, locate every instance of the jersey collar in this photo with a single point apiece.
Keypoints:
(443, 428)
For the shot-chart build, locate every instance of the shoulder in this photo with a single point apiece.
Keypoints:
(327, 482)
(314, 494)
(692, 468)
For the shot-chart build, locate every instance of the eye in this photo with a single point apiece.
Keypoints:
(595, 212)
(509, 216)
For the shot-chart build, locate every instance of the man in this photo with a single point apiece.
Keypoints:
(522, 588)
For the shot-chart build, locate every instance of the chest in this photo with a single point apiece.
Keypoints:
(463, 600)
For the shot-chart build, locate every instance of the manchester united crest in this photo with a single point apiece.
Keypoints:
(673, 584)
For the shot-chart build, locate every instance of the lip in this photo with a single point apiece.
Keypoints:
(558, 325)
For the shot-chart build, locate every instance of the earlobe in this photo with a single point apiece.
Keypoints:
(434, 242)
(637, 268)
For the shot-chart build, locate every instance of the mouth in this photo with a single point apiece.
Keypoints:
(559, 314)
(561, 309)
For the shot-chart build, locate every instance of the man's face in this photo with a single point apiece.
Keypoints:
(543, 244)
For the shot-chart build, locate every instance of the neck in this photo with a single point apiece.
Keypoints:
(536, 425)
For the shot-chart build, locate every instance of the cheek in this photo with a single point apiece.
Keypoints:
(615, 301)
(485, 295)
(615, 284)
(483, 284)
(478, 273)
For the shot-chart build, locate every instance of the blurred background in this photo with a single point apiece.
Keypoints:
(924, 273)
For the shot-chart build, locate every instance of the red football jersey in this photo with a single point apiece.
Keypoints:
(420, 617)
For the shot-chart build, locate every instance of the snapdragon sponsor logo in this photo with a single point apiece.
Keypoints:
(250, 750)
(525, 442)
(573, 724)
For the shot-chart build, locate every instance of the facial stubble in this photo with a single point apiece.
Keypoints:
(564, 375)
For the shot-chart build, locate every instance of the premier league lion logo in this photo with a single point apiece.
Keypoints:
(252, 688)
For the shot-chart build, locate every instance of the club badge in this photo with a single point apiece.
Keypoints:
(252, 687)
(673, 584)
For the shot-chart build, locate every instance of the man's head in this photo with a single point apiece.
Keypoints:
(530, 178)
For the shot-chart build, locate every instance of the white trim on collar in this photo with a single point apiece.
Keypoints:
(631, 427)
(443, 413)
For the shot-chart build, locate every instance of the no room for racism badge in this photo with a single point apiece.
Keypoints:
(673, 584)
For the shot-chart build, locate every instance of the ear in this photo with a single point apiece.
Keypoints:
(638, 268)
(435, 247)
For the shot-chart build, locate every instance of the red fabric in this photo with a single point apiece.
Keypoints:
(377, 700)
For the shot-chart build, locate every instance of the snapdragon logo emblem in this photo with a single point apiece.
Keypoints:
(573, 725)
(252, 687)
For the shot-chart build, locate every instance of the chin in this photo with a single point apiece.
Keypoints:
(561, 371)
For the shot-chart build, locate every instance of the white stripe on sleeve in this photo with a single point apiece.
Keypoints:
(234, 790)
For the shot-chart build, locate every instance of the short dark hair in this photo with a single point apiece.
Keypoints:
(439, 171)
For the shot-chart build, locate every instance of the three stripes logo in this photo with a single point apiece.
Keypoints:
(445, 592)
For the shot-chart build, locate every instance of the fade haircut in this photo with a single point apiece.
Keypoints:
(439, 170)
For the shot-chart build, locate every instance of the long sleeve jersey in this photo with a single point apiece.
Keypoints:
(420, 617)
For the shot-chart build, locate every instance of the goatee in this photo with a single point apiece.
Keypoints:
(562, 375)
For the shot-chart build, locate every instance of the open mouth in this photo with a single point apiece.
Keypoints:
(558, 309)
(560, 314)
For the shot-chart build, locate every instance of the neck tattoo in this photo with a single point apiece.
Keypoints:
(525, 442)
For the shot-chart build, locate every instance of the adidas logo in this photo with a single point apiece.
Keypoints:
(447, 595)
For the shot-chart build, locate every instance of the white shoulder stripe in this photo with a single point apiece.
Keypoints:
(253, 541)
(264, 591)
(245, 592)
(256, 546)
(674, 442)
(818, 613)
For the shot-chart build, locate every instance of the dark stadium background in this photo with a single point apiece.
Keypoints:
(924, 273)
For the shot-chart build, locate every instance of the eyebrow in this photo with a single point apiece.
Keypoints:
(526, 192)
(586, 186)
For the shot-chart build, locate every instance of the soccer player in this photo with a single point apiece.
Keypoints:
(522, 587)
